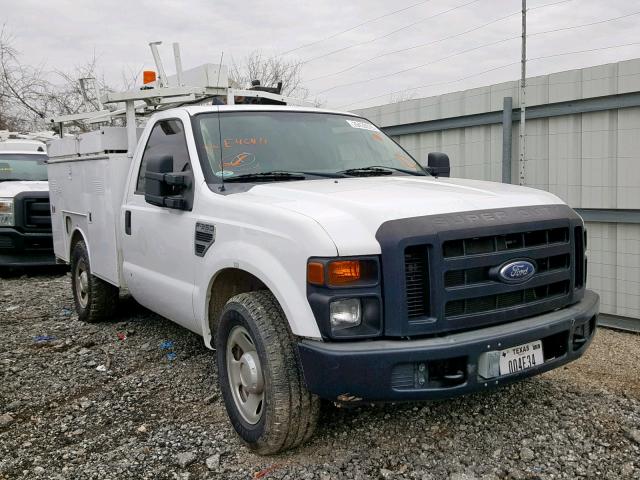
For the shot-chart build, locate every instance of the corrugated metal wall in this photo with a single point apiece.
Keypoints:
(591, 159)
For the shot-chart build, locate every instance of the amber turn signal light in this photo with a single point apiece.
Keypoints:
(315, 273)
(343, 272)
(148, 76)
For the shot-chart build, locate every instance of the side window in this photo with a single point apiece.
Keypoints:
(167, 138)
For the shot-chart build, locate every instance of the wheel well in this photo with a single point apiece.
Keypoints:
(75, 238)
(229, 282)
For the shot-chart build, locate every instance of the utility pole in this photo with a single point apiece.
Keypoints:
(523, 87)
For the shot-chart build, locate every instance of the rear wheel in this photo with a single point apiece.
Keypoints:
(95, 299)
(260, 375)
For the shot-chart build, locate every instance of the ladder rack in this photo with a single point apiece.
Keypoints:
(195, 86)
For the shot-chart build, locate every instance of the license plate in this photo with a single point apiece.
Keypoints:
(522, 357)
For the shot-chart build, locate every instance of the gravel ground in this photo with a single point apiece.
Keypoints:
(156, 412)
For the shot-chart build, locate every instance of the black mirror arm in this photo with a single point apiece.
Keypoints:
(177, 203)
(176, 179)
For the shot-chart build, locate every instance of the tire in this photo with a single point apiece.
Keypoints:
(95, 299)
(288, 412)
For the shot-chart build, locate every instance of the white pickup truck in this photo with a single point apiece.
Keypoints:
(25, 222)
(320, 260)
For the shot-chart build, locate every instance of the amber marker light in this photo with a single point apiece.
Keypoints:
(344, 272)
(315, 273)
(148, 76)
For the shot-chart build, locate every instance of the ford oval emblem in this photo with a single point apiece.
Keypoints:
(518, 271)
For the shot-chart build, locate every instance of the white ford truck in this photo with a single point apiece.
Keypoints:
(318, 258)
(25, 222)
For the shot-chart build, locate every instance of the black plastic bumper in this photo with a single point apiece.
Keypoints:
(442, 367)
(19, 249)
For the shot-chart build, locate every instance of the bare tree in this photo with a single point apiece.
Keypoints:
(270, 71)
(30, 94)
(22, 88)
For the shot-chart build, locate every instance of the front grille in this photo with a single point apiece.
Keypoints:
(479, 275)
(468, 291)
(473, 287)
(37, 213)
(580, 240)
(416, 281)
(504, 242)
(470, 306)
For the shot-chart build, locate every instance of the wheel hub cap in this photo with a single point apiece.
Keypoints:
(82, 284)
(245, 375)
(250, 373)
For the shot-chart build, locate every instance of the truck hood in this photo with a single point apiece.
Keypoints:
(10, 189)
(352, 209)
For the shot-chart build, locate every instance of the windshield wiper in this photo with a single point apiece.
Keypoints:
(275, 175)
(367, 171)
(379, 170)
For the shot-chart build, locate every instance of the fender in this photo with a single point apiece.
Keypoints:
(287, 285)
(83, 235)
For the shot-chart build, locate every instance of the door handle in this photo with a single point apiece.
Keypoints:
(127, 222)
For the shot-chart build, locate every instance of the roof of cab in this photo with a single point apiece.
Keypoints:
(194, 110)
(23, 146)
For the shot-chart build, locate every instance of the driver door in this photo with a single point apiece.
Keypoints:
(158, 242)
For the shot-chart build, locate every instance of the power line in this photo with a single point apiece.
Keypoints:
(433, 42)
(585, 51)
(584, 24)
(473, 49)
(387, 34)
(446, 82)
(387, 75)
(386, 54)
(488, 71)
(354, 27)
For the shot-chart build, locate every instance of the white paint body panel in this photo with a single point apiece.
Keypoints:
(351, 210)
(11, 189)
(270, 230)
(89, 191)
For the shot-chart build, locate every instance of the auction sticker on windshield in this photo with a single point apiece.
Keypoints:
(522, 357)
(362, 125)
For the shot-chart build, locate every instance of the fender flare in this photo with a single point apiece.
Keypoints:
(294, 304)
(83, 237)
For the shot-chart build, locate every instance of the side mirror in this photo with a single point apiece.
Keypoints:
(165, 188)
(438, 164)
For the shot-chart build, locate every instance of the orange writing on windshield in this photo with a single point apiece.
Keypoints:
(237, 161)
(230, 142)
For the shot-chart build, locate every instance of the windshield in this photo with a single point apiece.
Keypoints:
(22, 166)
(298, 142)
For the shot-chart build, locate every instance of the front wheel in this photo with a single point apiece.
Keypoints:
(95, 299)
(260, 376)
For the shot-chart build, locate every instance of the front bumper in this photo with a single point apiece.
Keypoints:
(442, 367)
(19, 249)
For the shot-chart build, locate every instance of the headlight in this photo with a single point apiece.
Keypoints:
(345, 295)
(345, 313)
(6, 212)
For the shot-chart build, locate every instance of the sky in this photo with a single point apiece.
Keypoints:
(460, 52)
